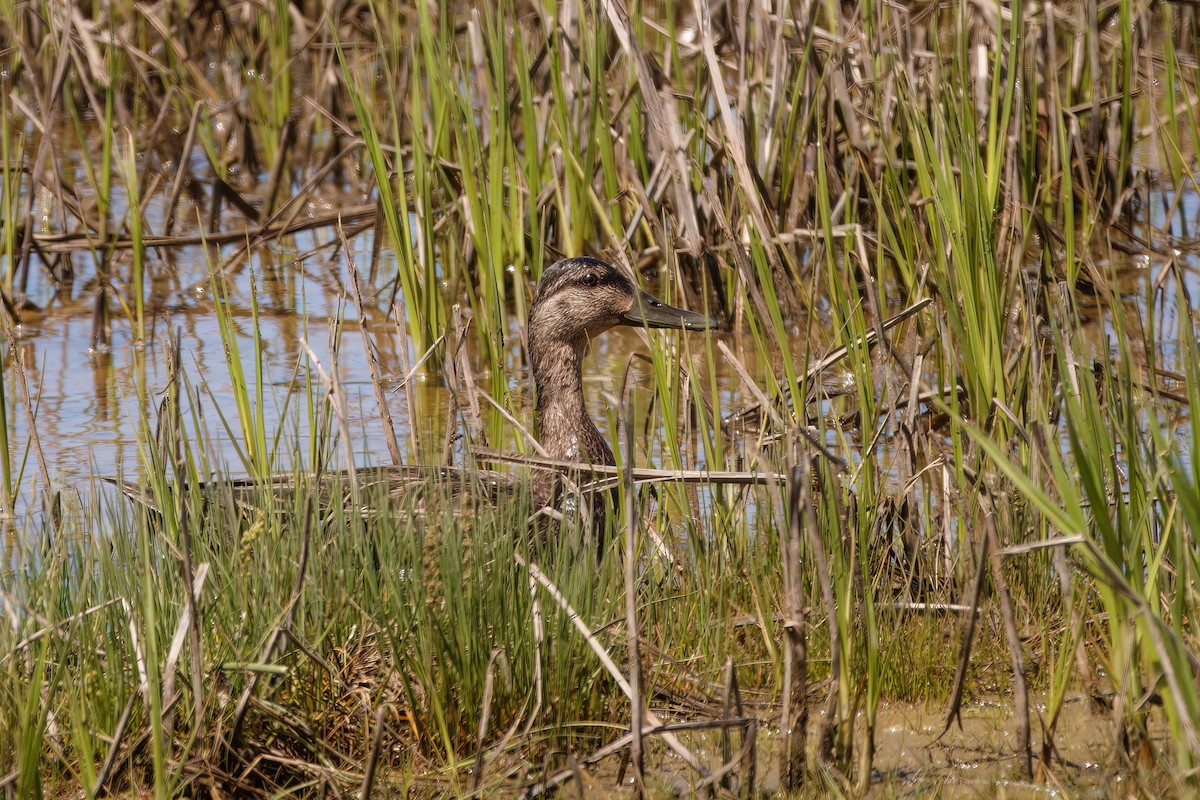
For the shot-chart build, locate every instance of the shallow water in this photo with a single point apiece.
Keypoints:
(913, 757)
(86, 400)
(88, 418)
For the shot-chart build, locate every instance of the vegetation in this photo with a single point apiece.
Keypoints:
(952, 250)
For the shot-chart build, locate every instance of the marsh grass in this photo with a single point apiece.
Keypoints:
(1003, 486)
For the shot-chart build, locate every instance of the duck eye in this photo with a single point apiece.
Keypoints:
(591, 279)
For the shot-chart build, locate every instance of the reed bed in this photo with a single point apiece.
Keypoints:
(952, 250)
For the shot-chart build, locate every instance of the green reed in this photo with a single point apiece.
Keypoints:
(249, 391)
(11, 142)
(417, 278)
(10, 179)
(135, 224)
(907, 167)
(1131, 550)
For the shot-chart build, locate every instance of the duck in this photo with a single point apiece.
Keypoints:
(575, 300)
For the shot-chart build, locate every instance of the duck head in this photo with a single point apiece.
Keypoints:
(580, 297)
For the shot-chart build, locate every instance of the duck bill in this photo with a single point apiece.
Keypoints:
(650, 312)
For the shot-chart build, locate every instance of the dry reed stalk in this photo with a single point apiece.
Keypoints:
(406, 370)
(833, 357)
(832, 715)
(1020, 684)
(640, 474)
(47, 628)
(620, 744)
(279, 167)
(368, 782)
(664, 123)
(489, 686)
(636, 703)
(35, 438)
(337, 401)
(372, 353)
(190, 574)
(731, 706)
(735, 145)
(589, 636)
(72, 242)
(539, 638)
(187, 625)
(742, 760)
(793, 722)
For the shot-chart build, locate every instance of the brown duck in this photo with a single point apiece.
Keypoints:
(576, 298)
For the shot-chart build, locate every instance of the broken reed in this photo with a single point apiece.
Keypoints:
(838, 169)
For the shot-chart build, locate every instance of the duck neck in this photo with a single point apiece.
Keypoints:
(565, 428)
